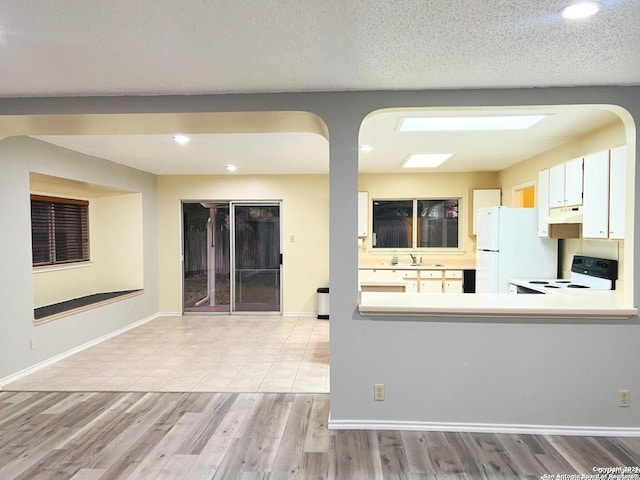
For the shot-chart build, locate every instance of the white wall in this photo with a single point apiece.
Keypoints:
(304, 215)
(18, 157)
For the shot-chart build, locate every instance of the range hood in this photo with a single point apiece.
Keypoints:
(565, 215)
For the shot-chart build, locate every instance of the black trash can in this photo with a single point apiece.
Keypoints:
(323, 303)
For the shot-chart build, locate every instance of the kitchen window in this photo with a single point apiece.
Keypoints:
(416, 223)
(59, 230)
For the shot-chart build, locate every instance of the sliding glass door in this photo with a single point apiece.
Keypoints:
(206, 257)
(256, 260)
(231, 257)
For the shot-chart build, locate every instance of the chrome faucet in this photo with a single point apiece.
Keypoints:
(414, 258)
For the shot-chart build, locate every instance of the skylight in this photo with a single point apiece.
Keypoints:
(494, 122)
(426, 160)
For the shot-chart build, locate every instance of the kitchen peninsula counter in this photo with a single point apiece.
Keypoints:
(592, 304)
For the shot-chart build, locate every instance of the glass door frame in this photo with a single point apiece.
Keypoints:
(182, 258)
(232, 259)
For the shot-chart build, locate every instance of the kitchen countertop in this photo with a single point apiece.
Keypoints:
(591, 304)
(435, 265)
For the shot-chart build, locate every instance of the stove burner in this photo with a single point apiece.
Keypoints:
(575, 285)
(551, 286)
(563, 281)
(539, 282)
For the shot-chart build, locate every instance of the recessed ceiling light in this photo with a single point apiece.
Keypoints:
(366, 148)
(426, 160)
(494, 122)
(230, 167)
(181, 139)
(581, 10)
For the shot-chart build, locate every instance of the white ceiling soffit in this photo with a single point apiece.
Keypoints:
(97, 47)
(255, 153)
(307, 153)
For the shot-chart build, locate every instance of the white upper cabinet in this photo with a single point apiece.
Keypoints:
(363, 214)
(556, 186)
(595, 220)
(617, 192)
(543, 203)
(573, 182)
(565, 184)
(483, 198)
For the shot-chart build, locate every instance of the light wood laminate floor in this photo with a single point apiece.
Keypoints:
(136, 435)
(253, 353)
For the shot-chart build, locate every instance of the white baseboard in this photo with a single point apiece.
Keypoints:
(50, 361)
(484, 428)
(283, 314)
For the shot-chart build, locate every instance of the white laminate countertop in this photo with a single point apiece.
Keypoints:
(425, 266)
(591, 304)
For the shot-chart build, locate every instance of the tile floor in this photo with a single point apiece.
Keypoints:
(199, 354)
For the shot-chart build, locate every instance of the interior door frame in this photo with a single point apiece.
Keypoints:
(523, 186)
(232, 258)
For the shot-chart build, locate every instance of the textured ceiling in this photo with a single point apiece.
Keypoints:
(91, 47)
(149, 47)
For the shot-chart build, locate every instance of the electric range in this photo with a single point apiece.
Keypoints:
(586, 273)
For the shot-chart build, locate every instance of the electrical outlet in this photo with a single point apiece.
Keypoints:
(378, 392)
(32, 344)
(623, 398)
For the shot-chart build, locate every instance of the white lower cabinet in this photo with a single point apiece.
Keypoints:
(410, 277)
(452, 281)
(431, 286)
(411, 286)
(417, 281)
(431, 281)
(453, 286)
(377, 275)
(394, 277)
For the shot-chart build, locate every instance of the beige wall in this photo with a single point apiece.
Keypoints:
(115, 236)
(524, 172)
(305, 217)
(117, 245)
(426, 185)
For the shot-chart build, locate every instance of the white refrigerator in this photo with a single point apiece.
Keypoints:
(508, 246)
